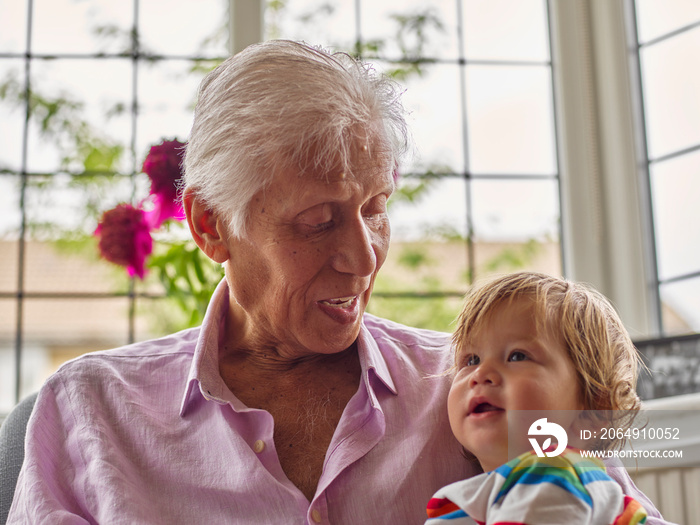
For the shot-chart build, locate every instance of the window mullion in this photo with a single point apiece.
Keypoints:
(245, 23)
(605, 234)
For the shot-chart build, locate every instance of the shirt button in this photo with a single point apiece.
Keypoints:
(316, 515)
(259, 446)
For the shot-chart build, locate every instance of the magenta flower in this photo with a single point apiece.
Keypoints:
(163, 165)
(125, 238)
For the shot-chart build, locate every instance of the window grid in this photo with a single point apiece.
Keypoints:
(137, 56)
(637, 46)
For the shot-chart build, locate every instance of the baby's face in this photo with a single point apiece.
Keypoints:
(510, 367)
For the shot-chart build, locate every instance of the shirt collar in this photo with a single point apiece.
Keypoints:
(204, 371)
(372, 358)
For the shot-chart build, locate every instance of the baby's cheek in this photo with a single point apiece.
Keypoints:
(455, 405)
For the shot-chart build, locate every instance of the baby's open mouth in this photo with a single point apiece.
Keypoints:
(485, 407)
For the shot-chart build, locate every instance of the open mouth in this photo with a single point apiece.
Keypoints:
(344, 310)
(481, 406)
(485, 407)
(340, 302)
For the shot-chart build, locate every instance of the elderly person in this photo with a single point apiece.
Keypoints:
(289, 404)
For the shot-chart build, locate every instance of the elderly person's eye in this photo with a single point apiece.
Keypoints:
(317, 218)
(376, 206)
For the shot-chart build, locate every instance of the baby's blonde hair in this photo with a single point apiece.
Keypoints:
(595, 339)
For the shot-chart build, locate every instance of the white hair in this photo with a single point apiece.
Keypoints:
(278, 105)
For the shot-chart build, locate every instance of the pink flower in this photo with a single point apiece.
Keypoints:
(163, 165)
(125, 238)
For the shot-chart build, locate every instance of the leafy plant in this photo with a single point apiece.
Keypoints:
(188, 278)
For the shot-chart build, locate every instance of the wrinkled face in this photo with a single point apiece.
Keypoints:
(301, 279)
(508, 368)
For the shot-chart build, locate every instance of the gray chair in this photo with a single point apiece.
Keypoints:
(12, 452)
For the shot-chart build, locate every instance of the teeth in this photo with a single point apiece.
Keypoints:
(341, 302)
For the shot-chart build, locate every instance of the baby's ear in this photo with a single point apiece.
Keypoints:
(207, 230)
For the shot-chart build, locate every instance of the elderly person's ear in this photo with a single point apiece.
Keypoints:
(208, 231)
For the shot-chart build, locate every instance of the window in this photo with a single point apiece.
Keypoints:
(667, 42)
(525, 152)
(480, 195)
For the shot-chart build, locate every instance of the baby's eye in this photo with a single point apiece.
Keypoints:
(471, 360)
(517, 355)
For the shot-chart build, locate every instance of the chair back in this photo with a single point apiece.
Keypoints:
(12, 434)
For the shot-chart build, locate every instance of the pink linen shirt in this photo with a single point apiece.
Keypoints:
(149, 433)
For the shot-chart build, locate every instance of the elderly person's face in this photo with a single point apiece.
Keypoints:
(302, 277)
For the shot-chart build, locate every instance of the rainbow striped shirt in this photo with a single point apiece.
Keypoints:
(530, 490)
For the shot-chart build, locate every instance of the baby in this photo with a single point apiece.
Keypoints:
(533, 352)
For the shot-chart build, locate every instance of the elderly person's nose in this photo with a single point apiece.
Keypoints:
(355, 249)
